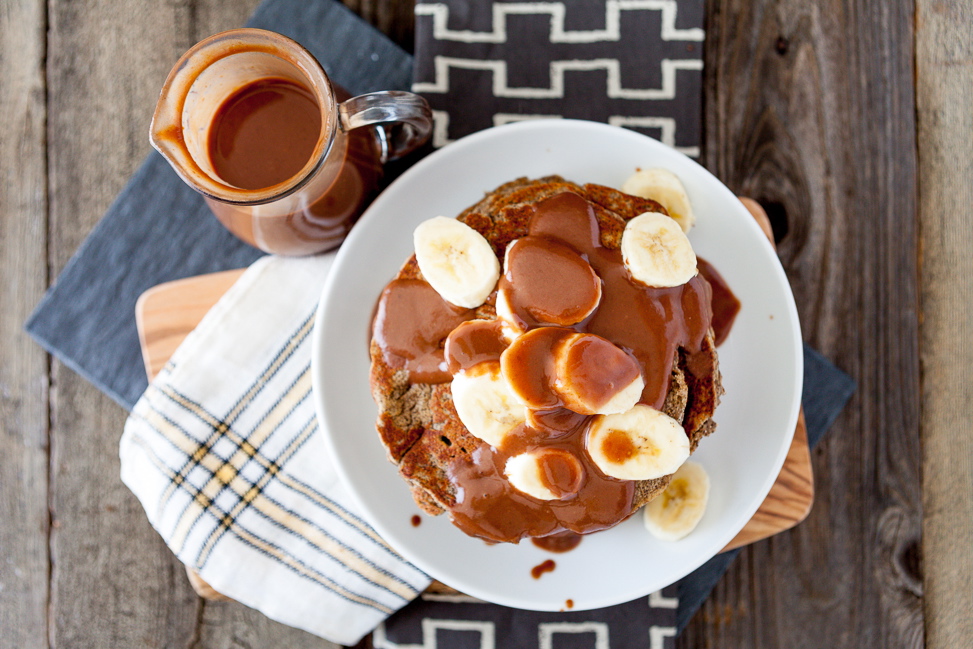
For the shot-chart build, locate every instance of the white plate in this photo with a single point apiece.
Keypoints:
(761, 361)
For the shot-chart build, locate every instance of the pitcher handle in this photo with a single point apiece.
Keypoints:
(408, 115)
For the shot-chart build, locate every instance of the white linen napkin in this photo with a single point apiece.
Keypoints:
(224, 452)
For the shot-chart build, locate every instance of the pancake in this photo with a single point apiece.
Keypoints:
(444, 464)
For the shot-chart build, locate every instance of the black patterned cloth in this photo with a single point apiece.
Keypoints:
(460, 622)
(631, 63)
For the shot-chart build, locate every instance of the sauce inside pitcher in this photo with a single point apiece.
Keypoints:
(249, 119)
(264, 133)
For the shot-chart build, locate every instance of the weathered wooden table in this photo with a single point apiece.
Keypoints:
(852, 122)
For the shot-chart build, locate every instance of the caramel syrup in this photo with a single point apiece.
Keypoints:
(540, 569)
(264, 133)
(649, 324)
(726, 306)
(559, 543)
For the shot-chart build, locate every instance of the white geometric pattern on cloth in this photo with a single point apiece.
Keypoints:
(558, 34)
(547, 631)
(658, 635)
(658, 600)
(430, 637)
(224, 452)
(666, 126)
(555, 89)
(652, 72)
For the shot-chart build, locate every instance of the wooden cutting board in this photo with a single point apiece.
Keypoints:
(165, 315)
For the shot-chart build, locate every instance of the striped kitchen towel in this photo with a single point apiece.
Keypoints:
(224, 452)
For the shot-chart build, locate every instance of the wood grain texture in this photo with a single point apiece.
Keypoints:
(229, 625)
(194, 295)
(113, 582)
(809, 108)
(394, 18)
(944, 66)
(23, 366)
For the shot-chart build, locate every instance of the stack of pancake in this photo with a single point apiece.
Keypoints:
(418, 423)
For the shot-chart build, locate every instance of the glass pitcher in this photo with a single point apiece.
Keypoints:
(284, 158)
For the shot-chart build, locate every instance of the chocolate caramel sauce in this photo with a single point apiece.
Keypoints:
(592, 371)
(726, 306)
(650, 323)
(570, 288)
(472, 343)
(560, 542)
(588, 372)
(618, 447)
(540, 569)
(490, 508)
(326, 220)
(530, 364)
(555, 420)
(264, 133)
(413, 325)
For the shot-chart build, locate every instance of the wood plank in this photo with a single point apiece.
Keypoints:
(194, 295)
(114, 583)
(810, 110)
(944, 67)
(230, 625)
(23, 366)
(394, 18)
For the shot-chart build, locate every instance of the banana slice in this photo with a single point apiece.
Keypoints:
(485, 404)
(595, 377)
(663, 186)
(656, 252)
(549, 474)
(456, 261)
(676, 511)
(641, 444)
(510, 324)
(549, 282)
